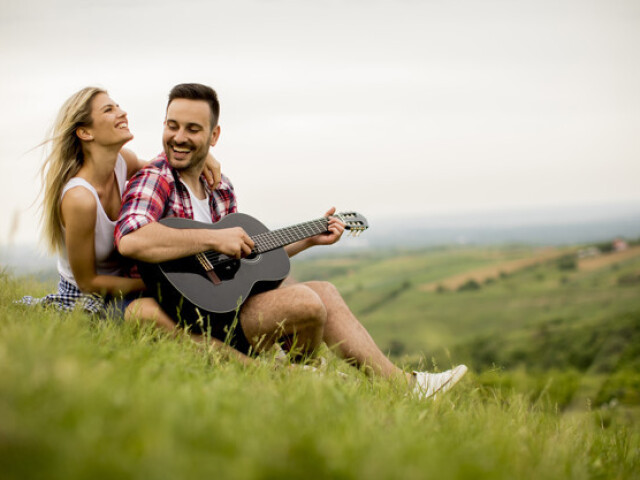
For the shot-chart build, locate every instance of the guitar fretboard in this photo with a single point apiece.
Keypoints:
(267, 241)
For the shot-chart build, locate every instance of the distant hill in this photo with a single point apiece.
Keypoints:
(553, 226)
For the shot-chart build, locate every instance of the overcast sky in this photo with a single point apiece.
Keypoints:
(410, 107)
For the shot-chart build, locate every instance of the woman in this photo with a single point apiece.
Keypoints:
(84, 178)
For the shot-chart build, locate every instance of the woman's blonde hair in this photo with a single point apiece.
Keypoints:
(64, 160)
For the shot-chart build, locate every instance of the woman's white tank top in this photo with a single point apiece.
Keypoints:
(107, 262)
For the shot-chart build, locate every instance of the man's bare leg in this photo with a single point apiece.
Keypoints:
(345, 334)
(294, 311)
(147, 310)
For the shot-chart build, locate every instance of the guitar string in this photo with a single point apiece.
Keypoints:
(278, 238)
(271, 240)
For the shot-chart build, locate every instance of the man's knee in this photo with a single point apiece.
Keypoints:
(135, 310)
(147, 310)
(310, 306)
(326, 289)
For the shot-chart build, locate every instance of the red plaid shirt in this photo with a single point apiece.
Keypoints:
(156, 192)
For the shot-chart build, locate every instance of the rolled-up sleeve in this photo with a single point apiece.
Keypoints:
(143, 202)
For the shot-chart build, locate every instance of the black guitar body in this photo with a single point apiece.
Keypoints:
(189, 293)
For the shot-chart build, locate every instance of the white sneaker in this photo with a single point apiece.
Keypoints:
(428, 384)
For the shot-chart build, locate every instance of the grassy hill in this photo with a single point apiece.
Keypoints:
(580, 316)
(552, 391)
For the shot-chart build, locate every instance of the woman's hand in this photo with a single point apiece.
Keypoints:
(212, 172)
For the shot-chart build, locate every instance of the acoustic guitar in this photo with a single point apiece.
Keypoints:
(211, 286)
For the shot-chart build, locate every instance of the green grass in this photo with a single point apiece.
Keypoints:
(81, 398)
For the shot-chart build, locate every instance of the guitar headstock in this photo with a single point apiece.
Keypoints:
(354, 222)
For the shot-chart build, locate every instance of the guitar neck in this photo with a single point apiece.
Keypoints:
(273, 239)
(267, 241)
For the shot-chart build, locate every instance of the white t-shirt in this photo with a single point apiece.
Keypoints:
(201, 208)
(107, 259)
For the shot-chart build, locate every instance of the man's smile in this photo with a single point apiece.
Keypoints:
(180, 152)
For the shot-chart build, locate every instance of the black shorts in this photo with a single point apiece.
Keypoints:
(229, 330)
(225, 327)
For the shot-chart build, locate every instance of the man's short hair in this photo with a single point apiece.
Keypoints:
(197, 91)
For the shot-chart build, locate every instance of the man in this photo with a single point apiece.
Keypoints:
(173, 185)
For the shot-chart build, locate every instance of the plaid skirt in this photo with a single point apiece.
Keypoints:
(69, 297)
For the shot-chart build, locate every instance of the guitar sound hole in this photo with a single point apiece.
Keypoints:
(227, 270)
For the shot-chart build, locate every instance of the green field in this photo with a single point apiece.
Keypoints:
(541, 318)
(553, 389)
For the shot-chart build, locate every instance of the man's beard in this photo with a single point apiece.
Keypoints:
(197, 157)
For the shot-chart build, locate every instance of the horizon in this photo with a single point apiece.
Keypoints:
(486, 225)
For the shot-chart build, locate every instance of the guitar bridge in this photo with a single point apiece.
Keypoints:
(225, 270)
(206, 264)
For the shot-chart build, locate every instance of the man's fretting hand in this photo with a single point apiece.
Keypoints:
(335, 230)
